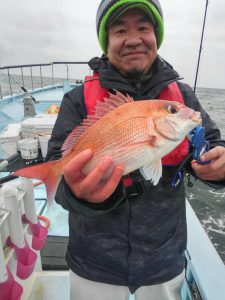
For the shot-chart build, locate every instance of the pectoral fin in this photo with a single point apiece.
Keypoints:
(152, 172)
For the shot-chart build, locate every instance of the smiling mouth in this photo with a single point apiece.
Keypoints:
(136, 53)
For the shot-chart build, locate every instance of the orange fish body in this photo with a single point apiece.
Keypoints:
(136, 134)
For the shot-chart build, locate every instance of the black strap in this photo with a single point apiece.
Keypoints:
(138, 187)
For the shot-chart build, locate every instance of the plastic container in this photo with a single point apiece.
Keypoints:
(26, 259)
(43, 140)
(41, 124)
(28, 148)
(39, 233)
(11, 133)
(8, 149)
(10, 289)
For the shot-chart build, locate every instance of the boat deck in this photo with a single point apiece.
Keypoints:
(12, 107)
(49, 285)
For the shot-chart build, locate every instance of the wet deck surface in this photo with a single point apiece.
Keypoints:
(49, 286)
(52, 285)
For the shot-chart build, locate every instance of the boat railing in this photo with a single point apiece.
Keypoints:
(31, 76)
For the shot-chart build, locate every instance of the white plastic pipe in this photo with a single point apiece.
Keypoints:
(10, 194)
(29, 201)
(3, 271)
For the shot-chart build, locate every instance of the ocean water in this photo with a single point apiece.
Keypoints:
(208, 204)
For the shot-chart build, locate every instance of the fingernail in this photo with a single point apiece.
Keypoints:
(88, 152)
(203, 158)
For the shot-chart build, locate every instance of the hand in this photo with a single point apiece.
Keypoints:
(215, 169)
(92, 187)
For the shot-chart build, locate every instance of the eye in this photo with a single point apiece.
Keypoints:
(143, 28)
(172, 109)
(120, 31)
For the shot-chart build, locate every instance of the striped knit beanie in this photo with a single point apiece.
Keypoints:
(110, 10)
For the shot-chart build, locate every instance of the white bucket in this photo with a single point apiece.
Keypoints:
(9, 149)
(28, 148)
(43, 139)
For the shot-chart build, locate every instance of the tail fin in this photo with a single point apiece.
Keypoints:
(47, 172)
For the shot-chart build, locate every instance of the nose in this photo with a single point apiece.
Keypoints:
(133, 41)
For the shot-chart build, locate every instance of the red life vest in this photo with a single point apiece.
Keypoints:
(93, 92)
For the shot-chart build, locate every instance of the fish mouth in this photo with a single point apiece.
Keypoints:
(196, 117)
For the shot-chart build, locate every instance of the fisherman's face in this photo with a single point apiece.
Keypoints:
(132, 46)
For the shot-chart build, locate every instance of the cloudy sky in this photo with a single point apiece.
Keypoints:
(62, 30)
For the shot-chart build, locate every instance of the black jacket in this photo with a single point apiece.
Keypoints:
(131, 241)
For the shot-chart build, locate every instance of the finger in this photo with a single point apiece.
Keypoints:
(201, 169)
(93, 179)
(106, 190)
(72, 170)
(211, 171)
(215, 159)
(213, 154)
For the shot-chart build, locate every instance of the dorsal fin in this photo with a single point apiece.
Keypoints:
(101, 109)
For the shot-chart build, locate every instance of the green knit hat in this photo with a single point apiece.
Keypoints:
(109, 10)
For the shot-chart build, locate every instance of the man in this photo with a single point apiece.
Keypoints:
(128, 237)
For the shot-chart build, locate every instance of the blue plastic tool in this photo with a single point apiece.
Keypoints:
(199, 143)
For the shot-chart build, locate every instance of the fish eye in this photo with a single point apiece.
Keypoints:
(172, 109)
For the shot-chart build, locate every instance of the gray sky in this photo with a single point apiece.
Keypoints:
(52, 30)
